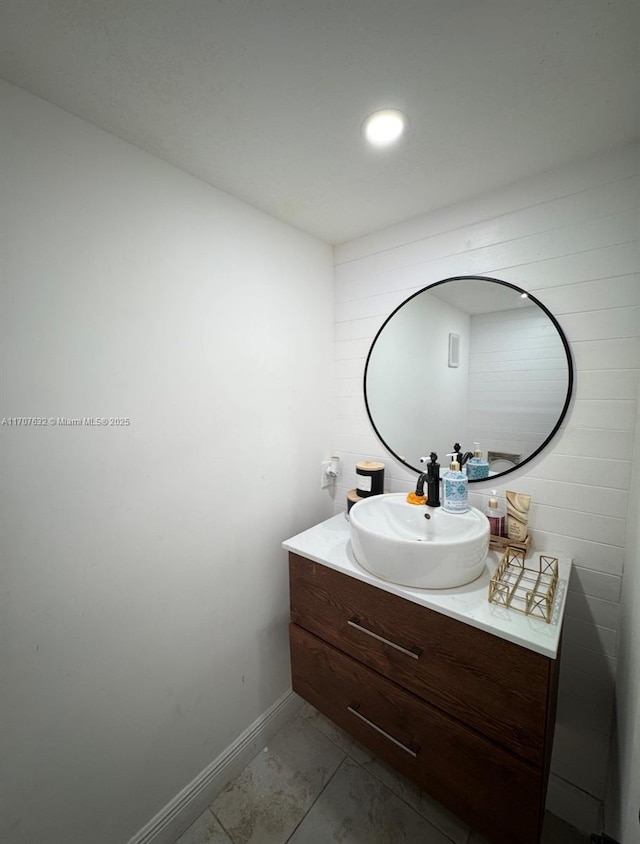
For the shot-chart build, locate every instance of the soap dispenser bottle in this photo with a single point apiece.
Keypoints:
(477, 466)
(454, 488)
(496, 513)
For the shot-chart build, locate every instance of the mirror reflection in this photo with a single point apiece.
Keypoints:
(471, 360)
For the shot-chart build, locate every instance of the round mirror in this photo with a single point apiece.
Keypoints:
(468, 360)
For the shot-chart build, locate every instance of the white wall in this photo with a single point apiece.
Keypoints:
(569, 237)
(623, 804)
(407, 353)
(144, 602)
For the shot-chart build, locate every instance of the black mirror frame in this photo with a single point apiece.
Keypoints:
(533, 299)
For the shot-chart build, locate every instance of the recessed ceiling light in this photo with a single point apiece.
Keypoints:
(384, 127)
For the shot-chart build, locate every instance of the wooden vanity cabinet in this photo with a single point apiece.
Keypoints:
(465, 714)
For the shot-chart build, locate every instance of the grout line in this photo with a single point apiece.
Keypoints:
(406, 802)
(384, 784)
(222, 826)
(322, 790)
(348, 756)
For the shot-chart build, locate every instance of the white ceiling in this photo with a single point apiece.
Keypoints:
(265, 98)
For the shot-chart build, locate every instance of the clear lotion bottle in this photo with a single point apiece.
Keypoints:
(454, 488)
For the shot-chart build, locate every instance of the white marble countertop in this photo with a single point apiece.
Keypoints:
(329, 543)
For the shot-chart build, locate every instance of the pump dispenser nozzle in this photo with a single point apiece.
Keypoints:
(453, 463)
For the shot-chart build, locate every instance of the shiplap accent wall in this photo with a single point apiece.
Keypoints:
(570, 238)
(517, 381)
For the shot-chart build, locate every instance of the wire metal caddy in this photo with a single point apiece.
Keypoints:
(529, 588)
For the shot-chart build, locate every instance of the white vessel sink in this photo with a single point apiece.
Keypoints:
(394, 540)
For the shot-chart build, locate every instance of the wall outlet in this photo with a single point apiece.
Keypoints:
(325, 479)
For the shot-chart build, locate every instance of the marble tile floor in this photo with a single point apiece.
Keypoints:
(313, 784)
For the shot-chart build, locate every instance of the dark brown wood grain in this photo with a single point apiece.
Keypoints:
(497, 794)
(498, 688)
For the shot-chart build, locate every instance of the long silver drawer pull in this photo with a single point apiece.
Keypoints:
(354, 711)
(414, 654)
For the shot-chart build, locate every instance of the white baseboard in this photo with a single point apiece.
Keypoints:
(188, 804)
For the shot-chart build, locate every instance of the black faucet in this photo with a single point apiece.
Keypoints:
(422, 477)
(433, 481)
(460, 457)
(432, 477)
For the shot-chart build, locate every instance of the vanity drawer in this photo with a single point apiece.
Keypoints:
(494, 792)
(494, 686)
